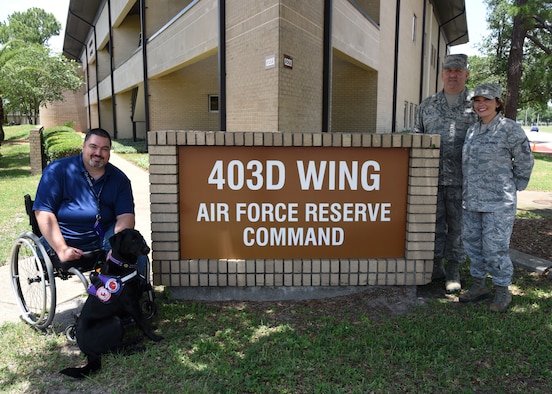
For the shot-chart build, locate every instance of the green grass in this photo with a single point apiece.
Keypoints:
(15, 182)
(300, 347)
(541, 179)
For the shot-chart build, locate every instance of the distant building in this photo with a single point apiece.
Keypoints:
(250, 65)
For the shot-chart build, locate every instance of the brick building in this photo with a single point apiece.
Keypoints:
(252, 65)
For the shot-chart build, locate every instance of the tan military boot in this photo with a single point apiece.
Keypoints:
(477, 291)
(502, 299)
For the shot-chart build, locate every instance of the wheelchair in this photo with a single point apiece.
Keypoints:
(34, 271)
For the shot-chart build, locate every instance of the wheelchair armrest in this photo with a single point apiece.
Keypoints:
(32, 218)
(90, 261)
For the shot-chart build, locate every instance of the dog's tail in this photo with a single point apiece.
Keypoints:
(93, 365)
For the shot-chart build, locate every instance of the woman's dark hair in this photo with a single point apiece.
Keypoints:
(99, 132)
(500, 103)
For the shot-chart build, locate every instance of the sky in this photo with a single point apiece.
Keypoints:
(57, 7)
(475, 10)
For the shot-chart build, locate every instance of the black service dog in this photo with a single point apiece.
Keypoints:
(117, 288)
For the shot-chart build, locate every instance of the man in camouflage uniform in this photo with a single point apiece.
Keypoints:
(449, 113)
(497, 162)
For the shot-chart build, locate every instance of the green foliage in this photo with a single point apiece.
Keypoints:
(61, 141)
(535, 65)
(32, 26)
(30, 76)
(129, 146)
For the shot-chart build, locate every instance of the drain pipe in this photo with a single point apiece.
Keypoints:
(327, 66)
(222, 64)
(396, 66)
(422, 63)
(87, 77)
(145, 66)
(112, 78)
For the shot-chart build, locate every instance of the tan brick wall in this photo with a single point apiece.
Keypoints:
(71, 110)
(354, 97)
(180, 99)
(414, 269)
(300, 88)
(252, 91)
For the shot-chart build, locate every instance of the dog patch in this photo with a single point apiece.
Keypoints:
(104, 287)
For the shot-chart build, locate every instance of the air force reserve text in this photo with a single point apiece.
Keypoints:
(271, 223)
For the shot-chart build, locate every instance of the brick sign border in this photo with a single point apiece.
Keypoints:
(414, 269)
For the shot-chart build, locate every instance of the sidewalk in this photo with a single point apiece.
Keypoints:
(70, 292)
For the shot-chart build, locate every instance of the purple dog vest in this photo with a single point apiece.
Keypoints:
(104, 287)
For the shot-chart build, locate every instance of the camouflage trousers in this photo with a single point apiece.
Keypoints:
(487, 242)
(448, 225)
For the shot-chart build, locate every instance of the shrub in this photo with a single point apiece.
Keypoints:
(61, 141)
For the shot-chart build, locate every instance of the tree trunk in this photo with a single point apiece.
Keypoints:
(515, 68)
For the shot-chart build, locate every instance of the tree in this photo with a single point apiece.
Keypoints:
(36, 78)
(33, 26)
(519, 49)
(30, 76)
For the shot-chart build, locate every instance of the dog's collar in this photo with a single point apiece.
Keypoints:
(121, 263)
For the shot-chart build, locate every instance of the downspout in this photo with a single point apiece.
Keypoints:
(96, 68)
(222, 64)
(87, 78)
(422, 63)
(145, 65)
(396, 67)
(112, 78)
(327, 66)
(438, 62)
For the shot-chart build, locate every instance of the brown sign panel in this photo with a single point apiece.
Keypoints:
(292, 202)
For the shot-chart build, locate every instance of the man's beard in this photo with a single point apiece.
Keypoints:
(93, 164)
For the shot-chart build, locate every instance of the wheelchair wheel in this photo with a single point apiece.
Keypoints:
(149, 308)
(71, 334)
(33, 281)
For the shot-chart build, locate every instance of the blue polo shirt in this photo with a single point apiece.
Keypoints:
(67, 190)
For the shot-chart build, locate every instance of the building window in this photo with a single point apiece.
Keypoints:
(213, 103)
(414, 23)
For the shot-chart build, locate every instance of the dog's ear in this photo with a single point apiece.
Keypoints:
(115, 240)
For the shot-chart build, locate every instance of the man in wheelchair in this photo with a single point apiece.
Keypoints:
(81, 201)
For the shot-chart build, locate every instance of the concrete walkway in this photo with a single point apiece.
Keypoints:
(70, 293)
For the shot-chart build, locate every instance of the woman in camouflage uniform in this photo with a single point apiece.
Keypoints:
(496, 163)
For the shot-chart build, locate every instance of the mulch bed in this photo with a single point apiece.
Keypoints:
(534, 237)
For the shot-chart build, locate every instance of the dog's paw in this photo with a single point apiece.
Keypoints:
(155, 337)
(76, 373)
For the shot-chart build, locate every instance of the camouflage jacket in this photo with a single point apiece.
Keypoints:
(497, 161)
(434, 116)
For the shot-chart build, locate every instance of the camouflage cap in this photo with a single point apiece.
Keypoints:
(488, 90)
(456, 61)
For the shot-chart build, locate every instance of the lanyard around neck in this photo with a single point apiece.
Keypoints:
(96, 195)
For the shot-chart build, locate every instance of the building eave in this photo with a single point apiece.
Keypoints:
(80, 17)
(451, 15)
